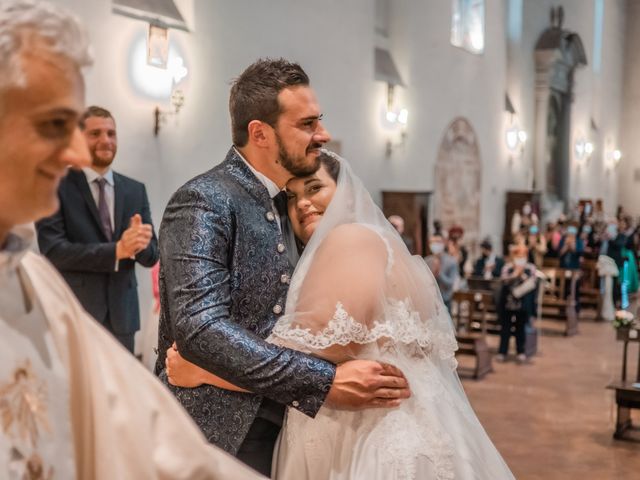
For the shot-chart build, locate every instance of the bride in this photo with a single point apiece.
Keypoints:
(358, 293)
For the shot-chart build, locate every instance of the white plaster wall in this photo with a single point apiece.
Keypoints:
(629, 187)
(445, 82)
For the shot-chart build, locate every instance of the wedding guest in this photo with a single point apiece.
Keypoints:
(537, 246)
(517, 301)
(456, 249)
(489, 265)
(443, 266)
(98, 258)
(398, 223)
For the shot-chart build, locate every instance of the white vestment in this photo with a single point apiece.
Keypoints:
(80, 405)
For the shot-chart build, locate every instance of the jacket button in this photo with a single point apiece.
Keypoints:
(284, 278)
(277, 309)
(295, 403)
(281, 247)
(270, 216)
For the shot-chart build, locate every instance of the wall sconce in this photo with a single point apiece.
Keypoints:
(160, 116)
(515, 139)
(163, 69)
(395, 119)
(583, 150)
(612, 159)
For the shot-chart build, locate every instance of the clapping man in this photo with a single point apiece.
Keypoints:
(102, 229)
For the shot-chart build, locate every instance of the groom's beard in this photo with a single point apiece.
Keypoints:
(297, 165)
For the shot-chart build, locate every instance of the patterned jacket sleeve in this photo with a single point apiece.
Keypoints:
(195, 247)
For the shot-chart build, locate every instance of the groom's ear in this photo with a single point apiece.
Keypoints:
(260, 133)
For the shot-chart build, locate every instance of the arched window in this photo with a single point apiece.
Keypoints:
(467, 25)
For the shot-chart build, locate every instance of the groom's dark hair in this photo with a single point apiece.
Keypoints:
(254, 94)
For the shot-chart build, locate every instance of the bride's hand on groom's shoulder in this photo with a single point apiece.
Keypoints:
(360, 384)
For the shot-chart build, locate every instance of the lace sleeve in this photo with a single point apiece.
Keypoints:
(334, 303)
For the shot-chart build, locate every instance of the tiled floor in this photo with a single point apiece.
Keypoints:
(553, 419)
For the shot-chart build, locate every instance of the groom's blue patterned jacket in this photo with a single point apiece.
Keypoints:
(223, 284)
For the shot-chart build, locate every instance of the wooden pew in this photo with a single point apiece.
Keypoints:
(469, 306)
(590, 286)
(491, 286)
(559, 297)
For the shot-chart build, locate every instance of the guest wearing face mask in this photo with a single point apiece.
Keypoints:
(571, 251)
(443, 266)
(516, 302)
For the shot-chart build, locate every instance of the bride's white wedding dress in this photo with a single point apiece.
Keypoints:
(358, 293)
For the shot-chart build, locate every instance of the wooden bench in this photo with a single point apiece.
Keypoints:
(627, 393)
(590, 286)
(469, 307)
(490, 314)
(559, 297)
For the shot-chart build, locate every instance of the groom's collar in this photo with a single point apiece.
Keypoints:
(241, 172)
(269, 184)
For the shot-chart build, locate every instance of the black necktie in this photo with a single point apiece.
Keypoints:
(103, 209)
(280, 201)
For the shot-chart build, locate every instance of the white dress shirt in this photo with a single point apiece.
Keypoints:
(271, 186)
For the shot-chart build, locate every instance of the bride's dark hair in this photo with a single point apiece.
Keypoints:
(331, 165)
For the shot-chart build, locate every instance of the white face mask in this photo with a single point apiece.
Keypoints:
(526, 210)
(520, 261)
(436, 248)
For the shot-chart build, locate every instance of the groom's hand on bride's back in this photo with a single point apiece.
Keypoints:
(362, 384)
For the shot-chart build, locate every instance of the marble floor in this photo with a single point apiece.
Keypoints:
(553, 418)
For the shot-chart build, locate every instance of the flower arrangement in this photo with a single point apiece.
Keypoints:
(623, 319)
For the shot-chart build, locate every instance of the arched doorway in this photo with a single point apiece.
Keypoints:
(458, 172)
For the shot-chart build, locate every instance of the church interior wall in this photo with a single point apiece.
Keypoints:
(629, 180)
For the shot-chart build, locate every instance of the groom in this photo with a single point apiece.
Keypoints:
(227, 255)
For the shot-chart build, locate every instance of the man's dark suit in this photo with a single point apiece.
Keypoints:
(224, 276)
(73, 240)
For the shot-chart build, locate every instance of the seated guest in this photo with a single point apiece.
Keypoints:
(517, 301)
(489, 265)
(443, 266)
(398, 223)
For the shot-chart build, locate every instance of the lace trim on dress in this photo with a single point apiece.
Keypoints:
(400, 323)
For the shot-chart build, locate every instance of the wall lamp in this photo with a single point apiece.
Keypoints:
(583, 150)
